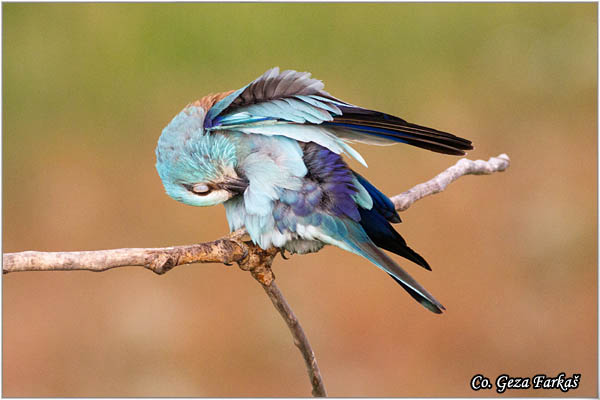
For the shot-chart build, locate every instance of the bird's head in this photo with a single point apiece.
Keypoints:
(197, 168)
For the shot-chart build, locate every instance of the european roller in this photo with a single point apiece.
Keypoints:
(271, 153)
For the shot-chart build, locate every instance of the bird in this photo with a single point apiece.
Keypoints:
(272, 153)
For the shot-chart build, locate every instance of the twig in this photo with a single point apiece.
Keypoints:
(249, 256)
(300, 339)
(437, 184)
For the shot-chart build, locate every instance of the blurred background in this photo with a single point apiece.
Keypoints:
(89, 87)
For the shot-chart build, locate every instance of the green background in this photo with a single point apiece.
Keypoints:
(87, 89)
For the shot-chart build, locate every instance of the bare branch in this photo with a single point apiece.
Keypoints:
(462, 167)
(249, 256)
(300, 339)
(158, 260)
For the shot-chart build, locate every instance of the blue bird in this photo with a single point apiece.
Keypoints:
(270, 152)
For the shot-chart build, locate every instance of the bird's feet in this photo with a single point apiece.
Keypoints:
(282, 252)
(236, 237)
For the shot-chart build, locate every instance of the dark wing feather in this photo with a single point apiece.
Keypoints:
(394, 129)
(376, 223)
(381, 202)
(385, 236)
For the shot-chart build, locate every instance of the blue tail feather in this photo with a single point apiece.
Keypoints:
(361, 244)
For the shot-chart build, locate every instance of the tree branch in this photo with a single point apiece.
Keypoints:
(158, 260)
(438, 184)
(300, 339)
(229, 249)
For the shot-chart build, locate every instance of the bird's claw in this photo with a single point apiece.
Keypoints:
(246, 254)
(236, 237)
(282, 252)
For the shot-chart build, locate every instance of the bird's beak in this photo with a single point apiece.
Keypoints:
(234, 185)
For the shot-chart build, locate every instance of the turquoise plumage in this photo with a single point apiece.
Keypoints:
(271, 152)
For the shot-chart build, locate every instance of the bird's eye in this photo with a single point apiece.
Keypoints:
(201, 189)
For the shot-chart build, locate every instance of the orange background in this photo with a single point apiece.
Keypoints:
(87, 90)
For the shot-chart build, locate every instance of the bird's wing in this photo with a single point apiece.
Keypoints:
(295, 105)
(281, 104)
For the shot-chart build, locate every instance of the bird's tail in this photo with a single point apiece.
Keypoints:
(360, 244)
